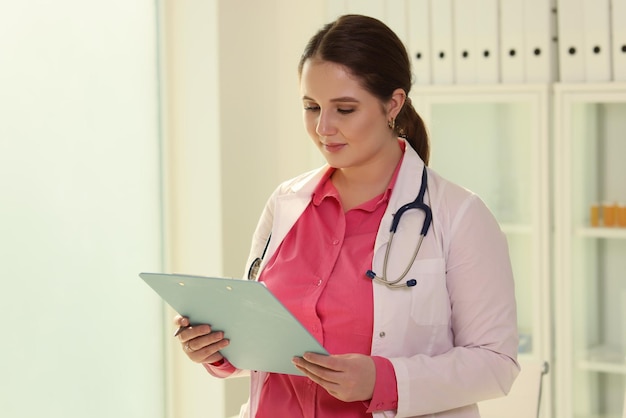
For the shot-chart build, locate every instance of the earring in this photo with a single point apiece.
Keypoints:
(391, 123)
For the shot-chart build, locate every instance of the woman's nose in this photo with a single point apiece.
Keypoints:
(325, 124)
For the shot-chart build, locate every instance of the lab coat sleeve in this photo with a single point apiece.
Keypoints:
(482, 360)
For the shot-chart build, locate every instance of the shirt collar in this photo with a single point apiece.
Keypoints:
(325, 188)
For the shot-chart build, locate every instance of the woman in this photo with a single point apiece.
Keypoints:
(426, 333)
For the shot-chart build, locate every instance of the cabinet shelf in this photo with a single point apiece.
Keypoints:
(599, 232)
(521, 229)
(598, 416)
(604, 367)
(604, 359)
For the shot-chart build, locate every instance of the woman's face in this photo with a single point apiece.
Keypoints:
(346, 122)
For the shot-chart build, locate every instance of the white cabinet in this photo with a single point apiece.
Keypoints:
(590, 279)
(494, 140)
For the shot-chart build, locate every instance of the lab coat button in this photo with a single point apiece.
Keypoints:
(382, 334)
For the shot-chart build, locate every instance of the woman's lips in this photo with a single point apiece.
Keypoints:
(333, 147)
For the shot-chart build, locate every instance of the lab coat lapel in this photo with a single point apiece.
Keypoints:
(290, 205)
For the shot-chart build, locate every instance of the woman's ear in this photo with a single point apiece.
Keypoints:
(394, 105)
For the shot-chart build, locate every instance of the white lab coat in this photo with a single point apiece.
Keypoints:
(452, 339)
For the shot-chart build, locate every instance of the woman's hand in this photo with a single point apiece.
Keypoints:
(347, 377)
(199, 342)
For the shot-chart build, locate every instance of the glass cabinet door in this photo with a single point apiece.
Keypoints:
(591, 271)
(494, 141)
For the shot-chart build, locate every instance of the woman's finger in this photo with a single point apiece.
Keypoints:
(208, 353)
(180, 320)
(202, 340)
(195, 331)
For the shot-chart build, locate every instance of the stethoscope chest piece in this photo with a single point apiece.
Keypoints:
(253, 271)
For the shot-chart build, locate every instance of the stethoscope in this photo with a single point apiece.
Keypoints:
(418, 204)
(253, 271)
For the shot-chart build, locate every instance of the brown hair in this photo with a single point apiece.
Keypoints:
(376, 56)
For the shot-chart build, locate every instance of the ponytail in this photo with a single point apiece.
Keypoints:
(411, 127)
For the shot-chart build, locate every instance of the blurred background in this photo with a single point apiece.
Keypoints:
(134, 136)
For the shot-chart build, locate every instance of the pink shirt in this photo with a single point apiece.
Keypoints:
(318, 273)
(458, 333)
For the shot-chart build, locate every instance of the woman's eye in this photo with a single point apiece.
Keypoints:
(315, 108)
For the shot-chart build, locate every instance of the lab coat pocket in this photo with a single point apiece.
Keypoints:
(430, 302)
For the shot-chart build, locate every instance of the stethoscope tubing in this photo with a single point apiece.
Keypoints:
(418, 204)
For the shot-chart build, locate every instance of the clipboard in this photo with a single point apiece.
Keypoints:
(263, 334)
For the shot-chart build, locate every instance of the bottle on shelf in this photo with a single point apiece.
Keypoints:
(621, 215)
(594, 215)
(609, 214)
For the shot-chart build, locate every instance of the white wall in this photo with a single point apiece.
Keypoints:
(190, 90)
(79, 210)
(233, 124)
(263, 140)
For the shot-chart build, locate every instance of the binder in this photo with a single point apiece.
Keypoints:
(464, 45)
(441, 42)
(597, 38)
(512, 68)
(418, 14)
(540, 60)
(487, 41)
(396, 18)
(571, 40)
(618, 46)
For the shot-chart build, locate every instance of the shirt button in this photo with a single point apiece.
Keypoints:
(319, 282)
(335, 242)
(382, 334)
